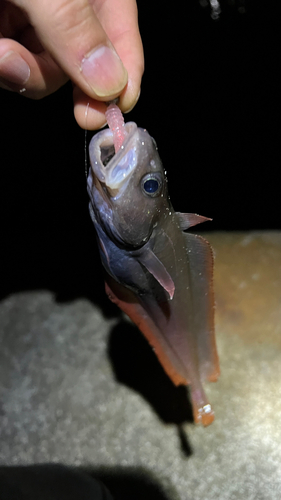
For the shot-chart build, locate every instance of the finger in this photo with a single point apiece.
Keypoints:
(73, 35)
(89, 113)
(119, 19)
(37, 75)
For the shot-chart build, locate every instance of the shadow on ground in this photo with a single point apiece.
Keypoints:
(57, 482)
(136, 366)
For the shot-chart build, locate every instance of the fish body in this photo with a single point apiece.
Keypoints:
(155, 272)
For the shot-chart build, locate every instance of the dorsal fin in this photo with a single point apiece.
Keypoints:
(188, 220)
(149, 260)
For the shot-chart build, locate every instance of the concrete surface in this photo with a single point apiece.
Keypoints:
(80, 387)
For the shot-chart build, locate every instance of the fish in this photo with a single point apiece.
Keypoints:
(157, 273)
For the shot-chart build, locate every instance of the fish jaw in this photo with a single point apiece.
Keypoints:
(115, 173)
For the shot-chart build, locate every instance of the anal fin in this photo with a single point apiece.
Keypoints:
(128, 302)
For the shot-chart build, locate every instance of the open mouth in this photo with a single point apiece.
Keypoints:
(106, 154)
(114, 169)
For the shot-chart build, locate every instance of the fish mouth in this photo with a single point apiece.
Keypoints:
(114, 169)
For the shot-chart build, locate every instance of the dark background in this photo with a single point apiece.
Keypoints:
(211, 99)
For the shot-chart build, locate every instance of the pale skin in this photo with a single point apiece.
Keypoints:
(94, 43)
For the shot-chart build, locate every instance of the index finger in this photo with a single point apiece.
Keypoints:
(71, 32)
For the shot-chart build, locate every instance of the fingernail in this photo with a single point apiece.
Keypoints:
(133, 105)
(13, 69)
(104, 71)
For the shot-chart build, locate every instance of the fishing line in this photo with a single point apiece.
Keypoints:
(85, 141)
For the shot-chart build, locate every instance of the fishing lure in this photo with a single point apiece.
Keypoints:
(158, 274)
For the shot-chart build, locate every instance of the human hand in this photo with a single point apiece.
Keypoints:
(43, 43)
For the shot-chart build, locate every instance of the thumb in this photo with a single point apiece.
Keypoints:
(72, 34)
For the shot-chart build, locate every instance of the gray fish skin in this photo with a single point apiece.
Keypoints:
(158, 274)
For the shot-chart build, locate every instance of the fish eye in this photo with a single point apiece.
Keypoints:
(151, 185)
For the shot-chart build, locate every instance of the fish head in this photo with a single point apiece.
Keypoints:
(128, 190)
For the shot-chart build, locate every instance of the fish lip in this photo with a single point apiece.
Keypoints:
(115, 175)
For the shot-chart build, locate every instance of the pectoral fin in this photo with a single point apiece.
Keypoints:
(149, 260)
(201, 273)
(188, 220)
